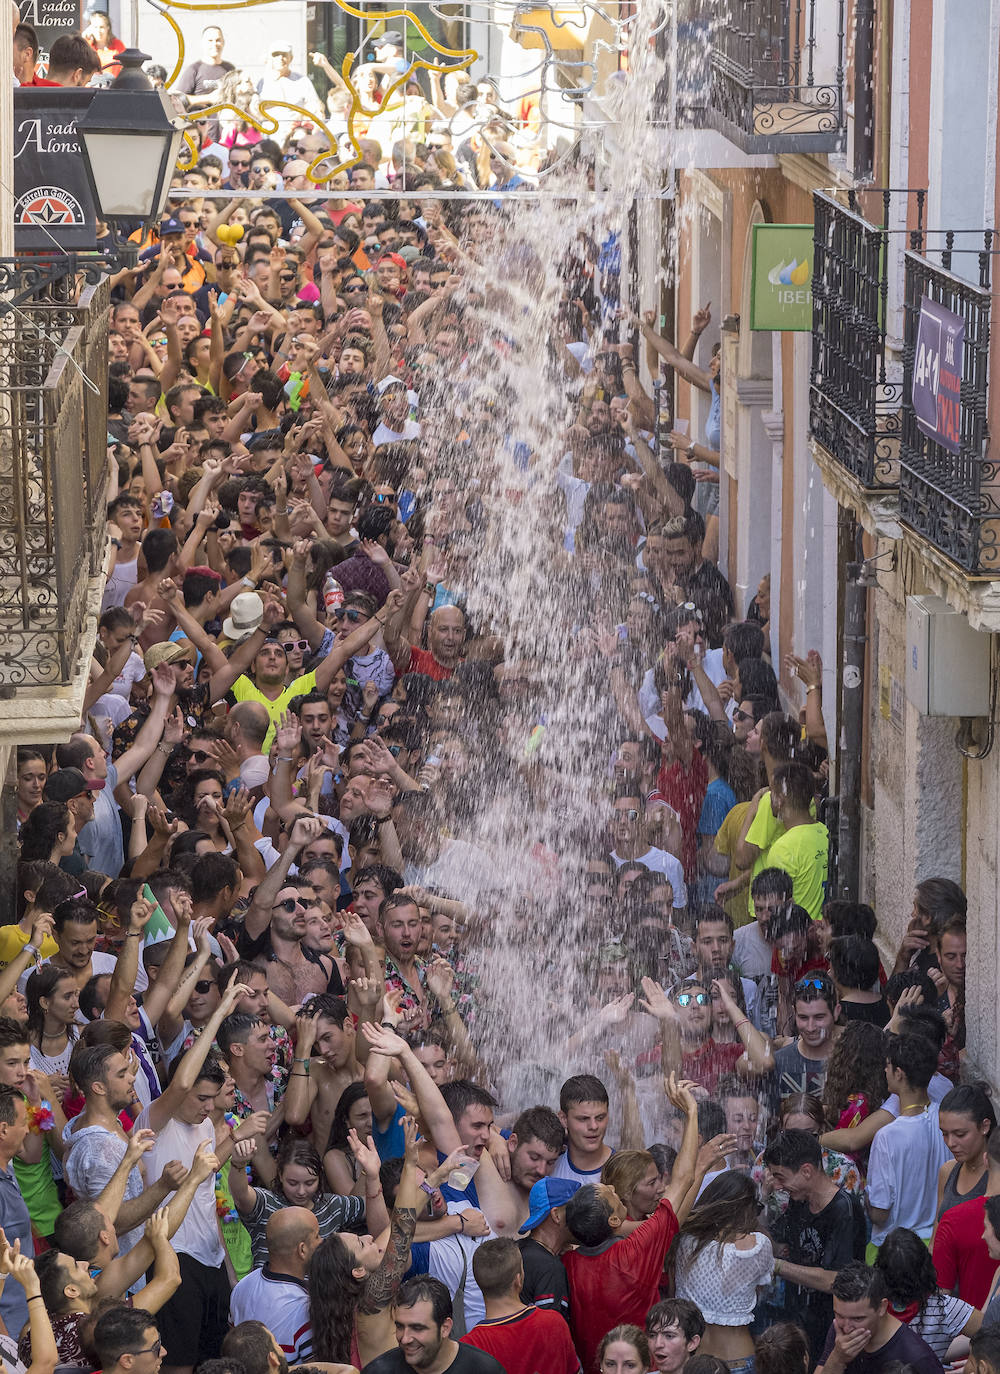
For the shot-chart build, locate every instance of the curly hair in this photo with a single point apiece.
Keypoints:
(184, 804)
(857, 1065)
(334, 1293)
(907, 1268)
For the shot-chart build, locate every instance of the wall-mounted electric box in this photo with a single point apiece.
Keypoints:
(947, 662)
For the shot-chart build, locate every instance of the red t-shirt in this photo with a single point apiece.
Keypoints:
(711, 1062)
(960, 1255)
(616, 1282)
(423, 661)
(684, 790)
(527, 1342)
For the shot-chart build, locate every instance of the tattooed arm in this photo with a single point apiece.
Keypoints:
(376, 1333)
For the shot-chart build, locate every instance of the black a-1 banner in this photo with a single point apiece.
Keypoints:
(53, 207)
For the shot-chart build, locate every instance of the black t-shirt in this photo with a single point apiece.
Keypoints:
(469, 1360)
(545, 1282)
(905, 1348)
(711, 593)
(830, 1239)
(875, 1013)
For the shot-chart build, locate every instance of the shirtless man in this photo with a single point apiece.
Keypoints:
(315, 1084)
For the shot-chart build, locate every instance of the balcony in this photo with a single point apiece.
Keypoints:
(776, 82)
(854, 394)
(952, 499)
(53, 458)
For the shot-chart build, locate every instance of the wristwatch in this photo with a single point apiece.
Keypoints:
(690, 449)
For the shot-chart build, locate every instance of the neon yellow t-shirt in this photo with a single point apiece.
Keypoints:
(244, 690)
(802, 853)
(13, 939)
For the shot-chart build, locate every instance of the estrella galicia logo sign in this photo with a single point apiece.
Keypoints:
(48, 207)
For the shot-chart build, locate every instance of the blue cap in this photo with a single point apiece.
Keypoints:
(546, 1194)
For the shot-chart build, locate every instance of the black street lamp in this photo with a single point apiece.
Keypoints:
(130, 138)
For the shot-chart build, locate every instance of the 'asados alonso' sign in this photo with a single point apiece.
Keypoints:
(53, 207)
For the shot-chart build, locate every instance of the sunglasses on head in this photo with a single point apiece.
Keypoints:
(700, 999)
(814, 981)
(350, 613)
(289, 905)
(205, 985)
(291, 644)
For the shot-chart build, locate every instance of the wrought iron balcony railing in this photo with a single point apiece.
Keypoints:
(854, 405)
(952, 498)
(769, 92)
(53, 459)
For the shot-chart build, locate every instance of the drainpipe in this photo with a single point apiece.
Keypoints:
(864, 103)
(851, 728)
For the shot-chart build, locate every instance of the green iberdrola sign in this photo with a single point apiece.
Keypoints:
(781, 287)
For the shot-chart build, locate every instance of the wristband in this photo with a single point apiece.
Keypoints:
(298, 1060)
(166, 749)
(461, 1222)
(777, 1267)
(745, 1022)
(35, 1297)
(283, 510)
(133, 935)
(31, 949)
(249, 581)
(285, 758)
(425, 1187)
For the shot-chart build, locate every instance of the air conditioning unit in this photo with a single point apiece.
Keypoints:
(947, 662)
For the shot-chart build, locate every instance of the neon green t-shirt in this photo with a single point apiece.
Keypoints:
(243, 689)
(802, 853)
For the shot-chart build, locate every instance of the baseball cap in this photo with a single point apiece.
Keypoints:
(281, 47)
(391, 36)
(170, 651)
(387, 382)
(170, 225)
(546, 1194)
(66, 783)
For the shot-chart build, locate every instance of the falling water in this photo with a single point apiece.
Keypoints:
(544, 798)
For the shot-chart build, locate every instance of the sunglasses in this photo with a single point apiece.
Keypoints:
(291, 644)
(819, 982)
(205, 985)
(742, 715)
(355, 290)
(382, 498)
(160, 341)
(287, 276)
(289, 905)
(199, 755)
(684, 999)
(351, 613)
(242, 164)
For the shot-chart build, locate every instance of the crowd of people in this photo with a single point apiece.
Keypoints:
(305, 1060)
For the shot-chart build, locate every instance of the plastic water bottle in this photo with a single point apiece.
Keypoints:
(333, 595)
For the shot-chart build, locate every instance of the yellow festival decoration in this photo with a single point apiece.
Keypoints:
(267, 124)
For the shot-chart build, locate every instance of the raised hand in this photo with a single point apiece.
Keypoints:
(354, 930)
(306, 828)
(383, 1041)
(656, 1001)
(205, 1162)
(173, 1175)
(702, 318)
(440, 977)
(365, 1154)
(288, 735)
(156, 1227)
(139, 1144)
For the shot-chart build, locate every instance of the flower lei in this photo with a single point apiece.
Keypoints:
(223, 1208)
(40, 1118)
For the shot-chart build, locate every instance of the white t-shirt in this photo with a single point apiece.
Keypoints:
(385, 435)
(751, 952)
(937, 1090)
(903, 1173)
(564, 1169)
(134, 671)
(285, 1303)
(660, 861)
(198, 1234)
(449, 1259)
